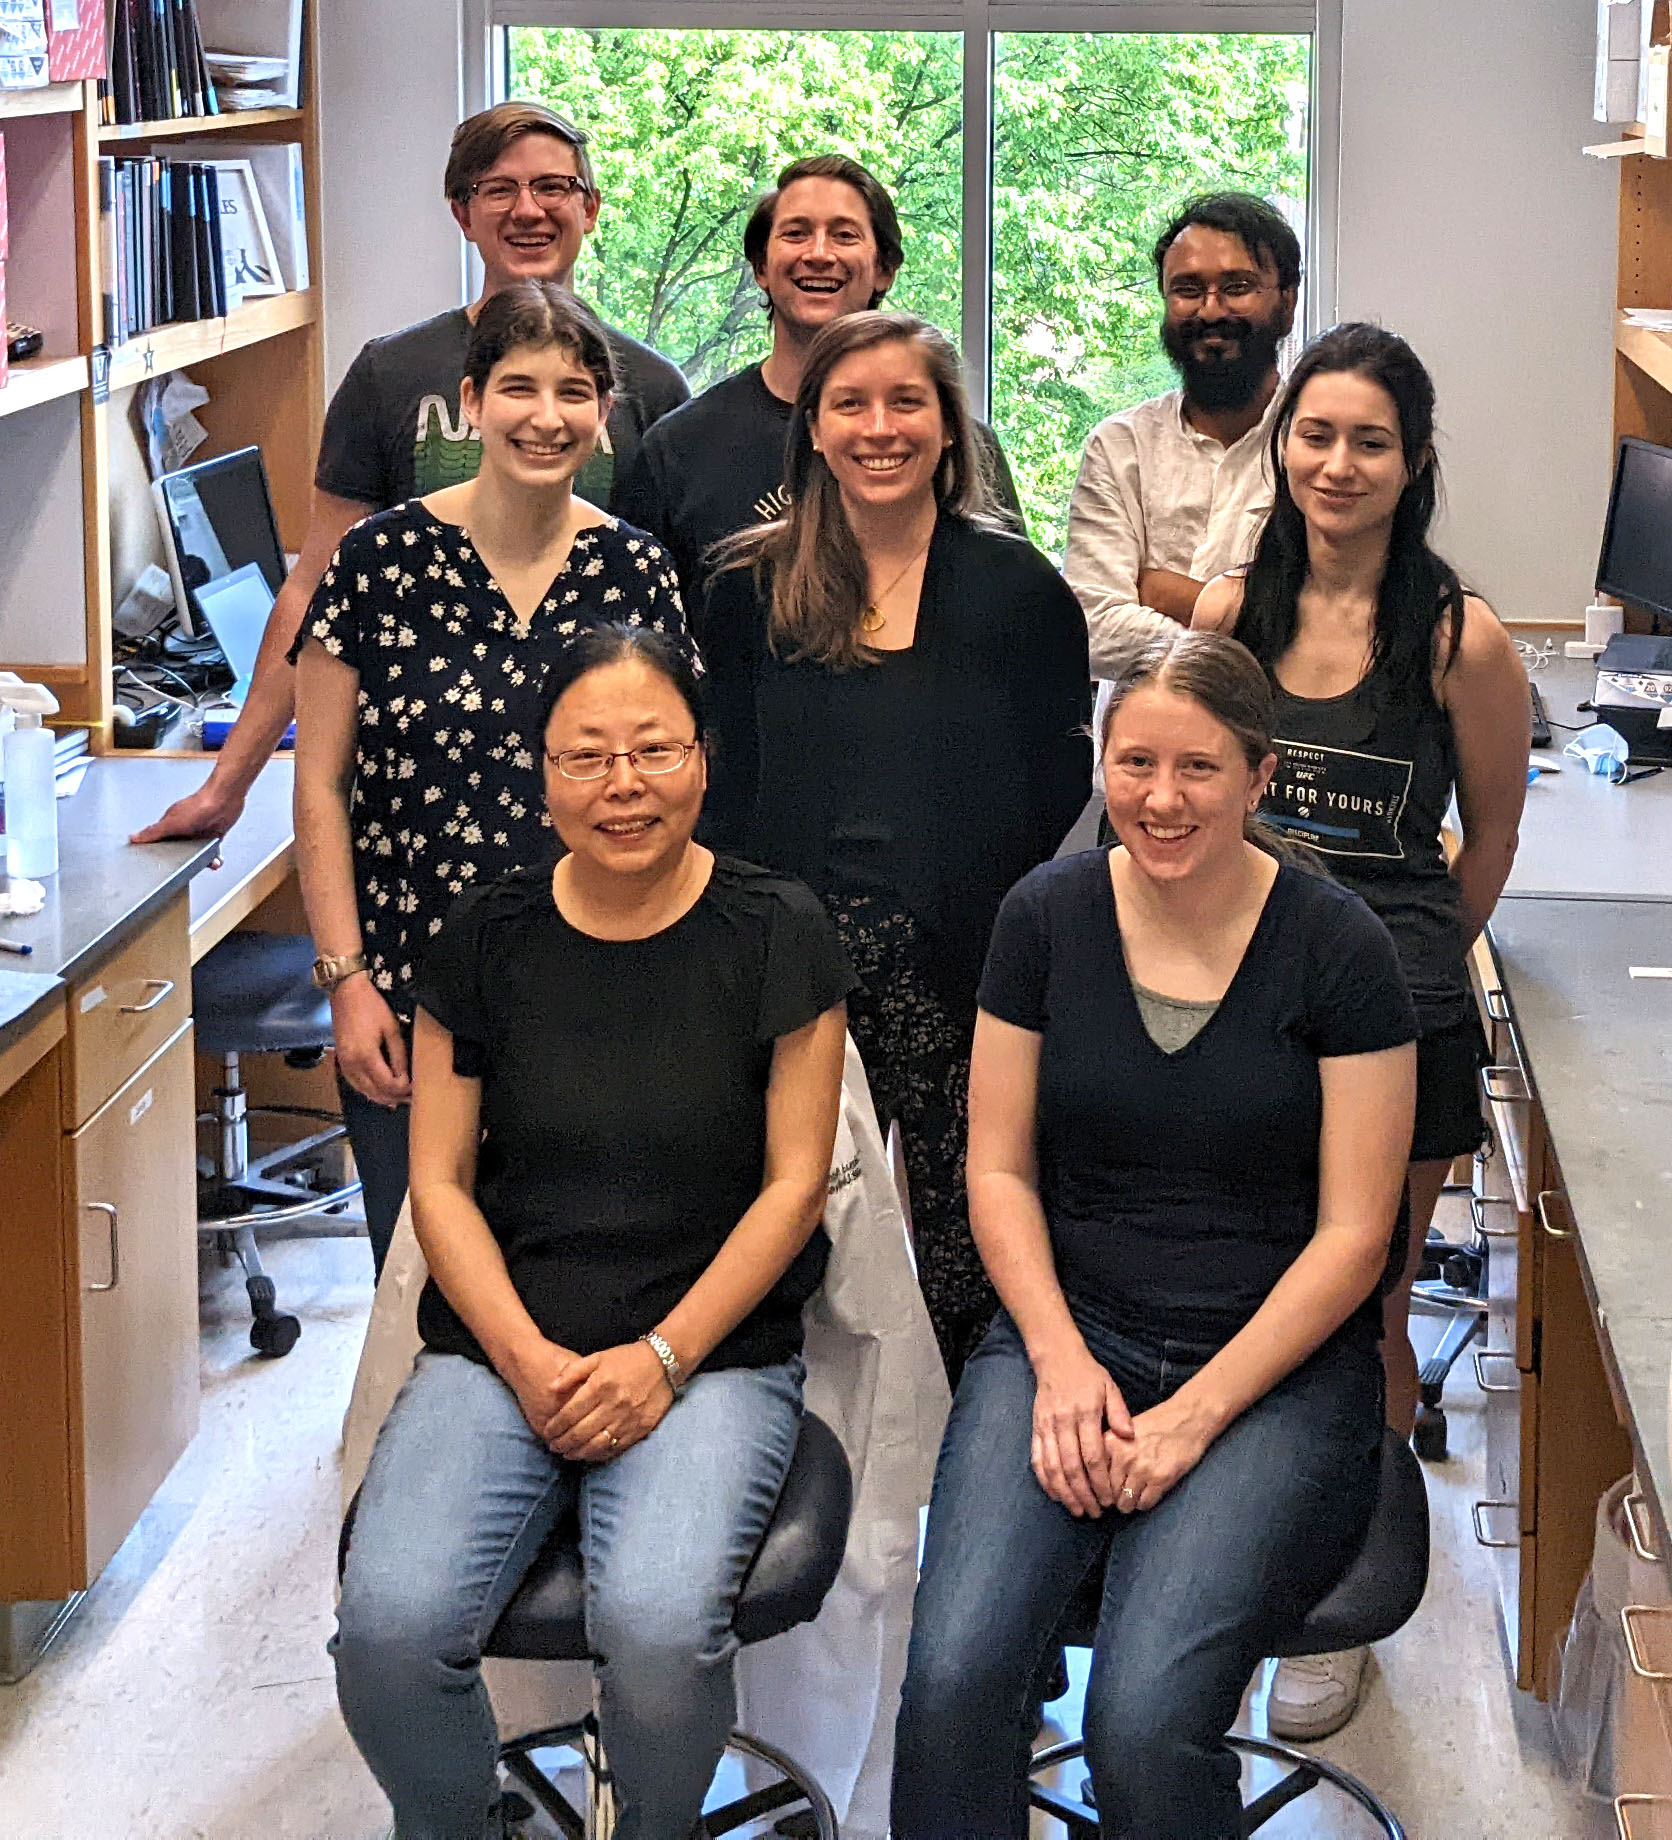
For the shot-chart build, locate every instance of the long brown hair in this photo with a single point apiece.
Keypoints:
(809, 560)
(1226, 679)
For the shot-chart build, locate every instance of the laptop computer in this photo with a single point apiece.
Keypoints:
(235, 607)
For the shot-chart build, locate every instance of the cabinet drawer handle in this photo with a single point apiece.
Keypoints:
(1494, 1354)
(108, 1208)
(161, 990)
(1492, 1084)
(1630, 1616)
(1478, 1204)
(1497, 1005)
(1623, 1804)
(1477, 1513)
(1637, 1520)
(1541, 1202)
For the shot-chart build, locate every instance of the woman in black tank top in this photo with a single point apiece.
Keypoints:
(1396, 689)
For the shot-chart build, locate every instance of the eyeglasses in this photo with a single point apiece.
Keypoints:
(1187, 291)
(653, 758)
(549, 189)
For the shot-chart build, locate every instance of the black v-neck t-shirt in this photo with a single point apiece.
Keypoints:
(1178, 1188)
(624, 1098)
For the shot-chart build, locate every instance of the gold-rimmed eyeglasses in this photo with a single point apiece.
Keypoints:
(652, 758)
(502, 193)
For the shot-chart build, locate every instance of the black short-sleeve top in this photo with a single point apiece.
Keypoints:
(1178, 1188)
(448, 790)
(623, 1104)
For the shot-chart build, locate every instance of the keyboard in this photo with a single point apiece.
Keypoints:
(1541, 719)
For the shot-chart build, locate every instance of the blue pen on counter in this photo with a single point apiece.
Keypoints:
(17, 946)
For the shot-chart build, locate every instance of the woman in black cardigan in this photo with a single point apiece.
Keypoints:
(899, 692)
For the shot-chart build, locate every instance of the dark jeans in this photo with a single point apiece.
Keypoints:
(377, 1135)
(1195, 1591)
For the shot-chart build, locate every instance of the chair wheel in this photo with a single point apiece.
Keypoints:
(274, 1336)
(1429, 1437)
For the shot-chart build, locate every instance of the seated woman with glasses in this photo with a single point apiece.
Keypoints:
(900, 691)
(418, 676)
(1190, 1104)
(627, 1076)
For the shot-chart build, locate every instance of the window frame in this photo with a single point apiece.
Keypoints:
(978, 21)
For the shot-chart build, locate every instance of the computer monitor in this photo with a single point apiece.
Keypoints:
(1636, 562)
(217, 518)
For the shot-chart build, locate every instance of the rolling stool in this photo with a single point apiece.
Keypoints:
(1454, 1281)
(255, 994)
(795, 1567)
(1380, 1592)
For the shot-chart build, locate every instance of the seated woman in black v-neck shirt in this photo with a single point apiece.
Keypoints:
(418, 674)
(1190, 1104)
(627, 1075)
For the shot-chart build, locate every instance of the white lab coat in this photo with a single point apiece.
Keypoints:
(825, 1693)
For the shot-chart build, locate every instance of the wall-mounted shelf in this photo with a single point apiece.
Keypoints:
(235, 122)
(53, 99)
(39, 380)
(1616, 150)
(171, 348)
(1649, 350)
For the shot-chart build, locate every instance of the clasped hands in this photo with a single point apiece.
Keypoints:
(1091, 1454)
(591, 1407)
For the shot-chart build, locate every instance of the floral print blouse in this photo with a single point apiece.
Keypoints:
(448, 789)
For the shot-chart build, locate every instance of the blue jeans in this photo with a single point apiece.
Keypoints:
(458, 1500)
(1195, 1591)
(377, 1134)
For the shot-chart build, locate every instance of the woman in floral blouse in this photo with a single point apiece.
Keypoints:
(419, 671)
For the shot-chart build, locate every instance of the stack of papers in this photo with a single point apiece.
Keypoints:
(247, 80)
(1651, 319)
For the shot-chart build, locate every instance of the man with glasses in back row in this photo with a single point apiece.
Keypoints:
(520, 185)
(1174, 491)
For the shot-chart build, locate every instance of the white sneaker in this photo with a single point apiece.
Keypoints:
(1313, 1695)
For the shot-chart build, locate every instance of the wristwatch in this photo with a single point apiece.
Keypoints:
(658, 1346)
(328, 972)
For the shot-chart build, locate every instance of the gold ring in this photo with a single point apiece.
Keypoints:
(1126, 1492)
(612, 1440)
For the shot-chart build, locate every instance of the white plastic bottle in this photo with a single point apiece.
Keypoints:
(31, 782)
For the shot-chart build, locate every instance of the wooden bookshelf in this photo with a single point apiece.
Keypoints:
(76, 520)
(1649, 350)
(54, 99)
(42, 380)
(1643, 358)
(190, 342)
(236, 123)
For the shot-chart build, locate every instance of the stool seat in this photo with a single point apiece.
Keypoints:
(255, 994)
(795, 1567)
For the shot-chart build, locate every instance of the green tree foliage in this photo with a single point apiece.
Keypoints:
(1097, 136)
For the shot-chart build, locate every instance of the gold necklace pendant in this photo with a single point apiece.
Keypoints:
(873, 619)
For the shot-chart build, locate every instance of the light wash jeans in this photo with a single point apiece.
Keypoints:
(458, 1500)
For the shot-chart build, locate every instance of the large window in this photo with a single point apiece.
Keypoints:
(1030, 199)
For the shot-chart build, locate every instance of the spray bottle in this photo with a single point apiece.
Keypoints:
(27, 756)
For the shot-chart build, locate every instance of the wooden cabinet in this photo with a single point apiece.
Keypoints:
(132, 1191)
(98, 1274)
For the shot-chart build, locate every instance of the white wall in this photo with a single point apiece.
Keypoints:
(1468, 220)
(389, 93)
(1471, 223)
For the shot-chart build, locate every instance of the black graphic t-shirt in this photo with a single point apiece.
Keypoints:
(394, 429)
(448, 791)
(716, 466)
(1366, 779)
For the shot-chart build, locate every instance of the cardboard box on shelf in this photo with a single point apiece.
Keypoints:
(76, 35)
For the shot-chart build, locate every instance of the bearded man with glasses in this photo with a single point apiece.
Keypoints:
(520, 185)
(1174, 491)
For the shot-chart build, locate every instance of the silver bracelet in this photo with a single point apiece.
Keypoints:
(658, 1346)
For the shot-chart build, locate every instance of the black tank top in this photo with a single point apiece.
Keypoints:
(1366, 780)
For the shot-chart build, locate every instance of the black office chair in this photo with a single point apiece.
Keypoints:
(794, 1569)
(255, 994)
(1379, 1593)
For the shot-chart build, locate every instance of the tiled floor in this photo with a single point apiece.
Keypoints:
(192, 1696)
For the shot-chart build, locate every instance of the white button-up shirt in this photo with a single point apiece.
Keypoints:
(1154, 493)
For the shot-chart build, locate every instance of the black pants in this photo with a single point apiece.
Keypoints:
(916, 1050)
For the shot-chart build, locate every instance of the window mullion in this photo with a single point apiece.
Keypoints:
(977, 323)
